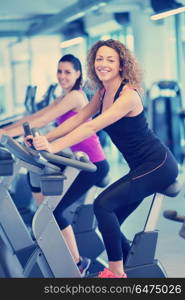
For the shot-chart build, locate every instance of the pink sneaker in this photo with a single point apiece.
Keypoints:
(106, 273)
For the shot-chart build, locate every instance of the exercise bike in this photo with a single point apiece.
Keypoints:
(38, 255)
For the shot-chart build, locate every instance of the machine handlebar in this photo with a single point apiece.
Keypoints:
(40, 158)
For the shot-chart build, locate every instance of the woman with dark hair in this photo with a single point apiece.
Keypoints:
(69, 104)
(69, 75)
(116, 73)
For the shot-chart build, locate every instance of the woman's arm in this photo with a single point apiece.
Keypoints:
(126, 103)
(83, 115)
(73, 100)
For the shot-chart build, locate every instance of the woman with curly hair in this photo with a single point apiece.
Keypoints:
(116, 74)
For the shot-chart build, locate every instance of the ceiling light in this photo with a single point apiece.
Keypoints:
(165, 8)
(71, 42)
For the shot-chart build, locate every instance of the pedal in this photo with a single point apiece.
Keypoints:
(173, 215)
(182, 231)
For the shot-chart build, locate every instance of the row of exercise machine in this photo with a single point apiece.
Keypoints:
(42, 251)
(31, 105)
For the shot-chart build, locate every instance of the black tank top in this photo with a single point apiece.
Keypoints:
(134, 139)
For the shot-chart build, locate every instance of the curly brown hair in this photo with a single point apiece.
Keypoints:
(130, 69)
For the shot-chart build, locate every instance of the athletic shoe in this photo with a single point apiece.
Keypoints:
(83, 265)
(106, 273)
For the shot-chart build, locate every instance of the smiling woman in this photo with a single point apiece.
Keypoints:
(118, 56)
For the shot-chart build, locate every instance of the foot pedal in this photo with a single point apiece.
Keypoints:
(182, 231)
(172, 215)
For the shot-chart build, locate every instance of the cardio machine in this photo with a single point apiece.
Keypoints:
(44, 253)
(167, 115)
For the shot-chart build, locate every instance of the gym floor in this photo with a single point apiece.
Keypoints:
(170, 247)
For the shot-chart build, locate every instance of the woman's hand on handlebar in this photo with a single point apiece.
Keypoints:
(41, 143)
(28, 140)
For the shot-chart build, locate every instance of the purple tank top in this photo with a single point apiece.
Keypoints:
(91, 145)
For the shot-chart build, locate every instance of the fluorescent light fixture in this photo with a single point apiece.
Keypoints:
(167, 13)
(105, 37)
(71, 42)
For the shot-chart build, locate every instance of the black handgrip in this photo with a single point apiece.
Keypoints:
(27, 131)
(35, 131)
